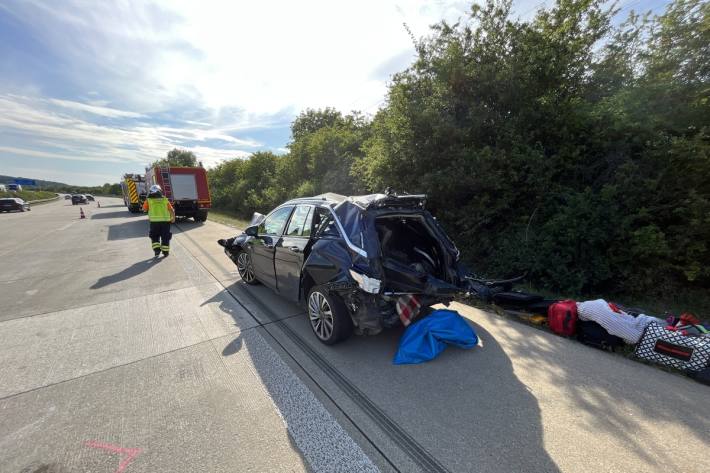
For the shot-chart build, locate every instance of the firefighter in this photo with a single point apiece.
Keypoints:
(161, 214)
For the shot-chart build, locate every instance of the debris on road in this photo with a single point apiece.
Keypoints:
(426, 338)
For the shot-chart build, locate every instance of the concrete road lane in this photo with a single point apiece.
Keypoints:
(524, 400)
(114, 361)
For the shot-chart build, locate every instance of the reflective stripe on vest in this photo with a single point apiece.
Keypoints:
(158, 209)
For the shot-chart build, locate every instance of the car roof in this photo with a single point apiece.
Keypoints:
(328, 199)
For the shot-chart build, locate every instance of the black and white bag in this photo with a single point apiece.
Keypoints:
(669, 348)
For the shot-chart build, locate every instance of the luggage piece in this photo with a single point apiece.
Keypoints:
(667, 348)
(592, 334)
(426, 338)
(515, 299)
(541, 307)
(701, 376)
(562, 317)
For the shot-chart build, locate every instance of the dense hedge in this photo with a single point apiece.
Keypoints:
(562, 146)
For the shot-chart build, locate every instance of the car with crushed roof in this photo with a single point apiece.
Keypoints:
(351, 259)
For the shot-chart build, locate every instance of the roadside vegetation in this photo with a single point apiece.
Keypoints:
(229, 218)
(30, 195)
(570, 146)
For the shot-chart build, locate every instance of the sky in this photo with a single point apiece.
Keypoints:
(91, 90)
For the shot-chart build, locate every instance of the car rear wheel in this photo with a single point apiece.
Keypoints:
(246, 268)
(328, 315)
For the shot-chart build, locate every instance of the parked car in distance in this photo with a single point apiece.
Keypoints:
(77, 199)
(67, 196)
(351, 259)
(13, 204)
(90, 197)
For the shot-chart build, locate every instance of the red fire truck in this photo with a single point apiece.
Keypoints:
(185, 187)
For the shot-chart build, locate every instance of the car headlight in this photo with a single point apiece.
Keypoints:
(366, 283)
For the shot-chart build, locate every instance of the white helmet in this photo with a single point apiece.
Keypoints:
(155, 189)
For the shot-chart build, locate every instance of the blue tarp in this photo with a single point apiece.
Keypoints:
(425, 339)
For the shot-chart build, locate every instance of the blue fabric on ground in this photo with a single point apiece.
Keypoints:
(425, 339)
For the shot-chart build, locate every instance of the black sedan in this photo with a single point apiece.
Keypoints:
(13, 204)
(351, 259)
(77, 199)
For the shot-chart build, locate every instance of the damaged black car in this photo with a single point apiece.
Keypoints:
(351, 259)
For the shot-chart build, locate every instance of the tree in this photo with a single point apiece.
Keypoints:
(177, 157)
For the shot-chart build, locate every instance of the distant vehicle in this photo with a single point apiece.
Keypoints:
(185, 187)
(3, 188)
(67, 196)
(14, 187)
(13, 204)
(90, 197)
(134, 189)
(77, 199)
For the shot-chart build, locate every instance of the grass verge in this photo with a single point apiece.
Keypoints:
(30, 195)
(228, 218)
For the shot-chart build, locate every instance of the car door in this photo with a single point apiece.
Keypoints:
(288, 257)
(262, 246)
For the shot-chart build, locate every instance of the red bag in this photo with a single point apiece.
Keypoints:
(562, 317)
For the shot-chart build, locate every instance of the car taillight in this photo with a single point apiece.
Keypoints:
(366, 283)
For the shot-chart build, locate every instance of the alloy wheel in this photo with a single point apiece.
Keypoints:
(245, 268)
(320, 315)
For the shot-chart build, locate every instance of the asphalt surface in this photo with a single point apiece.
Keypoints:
(112, 361)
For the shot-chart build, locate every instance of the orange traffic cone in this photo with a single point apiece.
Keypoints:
(81, 213)
(98, 204)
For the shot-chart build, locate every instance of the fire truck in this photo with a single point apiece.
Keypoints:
(134, 190)
(185, 187)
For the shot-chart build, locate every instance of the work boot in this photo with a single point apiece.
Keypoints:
(166, 254)
(157, 253)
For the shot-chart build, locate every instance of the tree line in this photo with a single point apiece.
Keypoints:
(567, 146)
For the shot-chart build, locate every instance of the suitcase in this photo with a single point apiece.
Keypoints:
(592, 334)
(515, 300)
(562, 317)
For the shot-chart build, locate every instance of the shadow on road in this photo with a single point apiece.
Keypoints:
(134, 270)
(464, 408)
(114, 214)
(129, 229)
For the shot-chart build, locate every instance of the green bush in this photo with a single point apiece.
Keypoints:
(562, 146)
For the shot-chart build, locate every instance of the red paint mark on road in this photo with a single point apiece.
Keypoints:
(130, 453)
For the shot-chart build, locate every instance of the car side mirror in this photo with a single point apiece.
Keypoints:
(252, 231)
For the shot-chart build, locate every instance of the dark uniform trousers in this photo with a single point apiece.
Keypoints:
(160, 235)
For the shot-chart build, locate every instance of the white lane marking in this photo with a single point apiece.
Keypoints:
(32, 292)
(66, 226)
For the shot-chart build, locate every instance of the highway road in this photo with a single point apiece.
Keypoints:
(112, 361)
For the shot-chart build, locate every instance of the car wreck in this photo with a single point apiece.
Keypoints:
(351, 259)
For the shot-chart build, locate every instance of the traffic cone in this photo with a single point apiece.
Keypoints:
(81, 213)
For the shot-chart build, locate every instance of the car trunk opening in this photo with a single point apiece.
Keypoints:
(413, 258)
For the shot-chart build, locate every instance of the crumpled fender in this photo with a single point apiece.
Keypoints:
(329, 265)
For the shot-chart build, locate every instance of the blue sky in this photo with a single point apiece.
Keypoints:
(92, 89)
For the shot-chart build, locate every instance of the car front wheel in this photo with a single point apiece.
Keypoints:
(328, 315)
(246, 268)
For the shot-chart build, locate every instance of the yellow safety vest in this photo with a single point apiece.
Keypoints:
(158, 209)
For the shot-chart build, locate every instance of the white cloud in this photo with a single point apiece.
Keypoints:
(95, 109)
(45, 132)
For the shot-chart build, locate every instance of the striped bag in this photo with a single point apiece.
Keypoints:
(672, 349)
